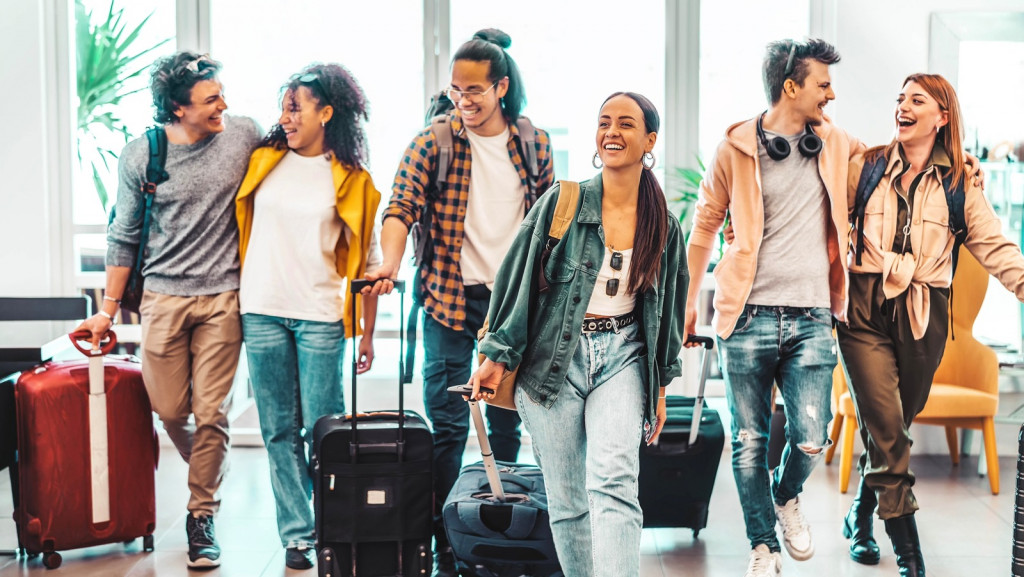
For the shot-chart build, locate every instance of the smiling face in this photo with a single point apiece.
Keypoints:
(203, 116)
(482, 113)
(622, 137)
(302, 120)
(816, 92)
(918, 115)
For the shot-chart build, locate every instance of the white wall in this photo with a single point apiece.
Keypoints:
(31, 228)
(881, 42)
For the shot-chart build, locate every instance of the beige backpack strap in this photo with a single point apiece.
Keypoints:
(565, 209)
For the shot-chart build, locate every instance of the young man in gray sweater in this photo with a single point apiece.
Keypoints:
(191, 333)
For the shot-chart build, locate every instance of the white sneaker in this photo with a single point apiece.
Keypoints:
(795, 531)
(764, 563)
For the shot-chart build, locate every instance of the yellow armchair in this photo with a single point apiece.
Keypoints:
(965, 390)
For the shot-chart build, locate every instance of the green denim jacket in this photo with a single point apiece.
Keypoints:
(538, 333)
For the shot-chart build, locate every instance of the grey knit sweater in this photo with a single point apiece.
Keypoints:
(193, 239)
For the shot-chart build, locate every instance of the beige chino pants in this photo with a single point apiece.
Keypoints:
(190, 348)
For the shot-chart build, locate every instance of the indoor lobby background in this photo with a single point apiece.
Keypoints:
(699, 62)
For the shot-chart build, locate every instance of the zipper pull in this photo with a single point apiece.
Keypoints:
(331, 486)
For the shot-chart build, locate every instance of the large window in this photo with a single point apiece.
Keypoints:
(127, 105)
(731, 50)
(568, 75)
(380, 42)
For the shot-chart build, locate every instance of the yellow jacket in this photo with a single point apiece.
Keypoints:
(357, 201)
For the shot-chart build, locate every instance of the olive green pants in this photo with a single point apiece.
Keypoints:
(890, 375)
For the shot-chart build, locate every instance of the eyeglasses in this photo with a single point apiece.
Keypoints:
(789, 61)
(193, 65)
(456, 95)
(611, 287)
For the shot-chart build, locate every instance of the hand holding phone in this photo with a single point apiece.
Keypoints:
(466, 390)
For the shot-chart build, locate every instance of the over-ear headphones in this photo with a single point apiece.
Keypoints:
(778, 147)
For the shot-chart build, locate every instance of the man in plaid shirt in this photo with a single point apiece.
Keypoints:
(477, 215)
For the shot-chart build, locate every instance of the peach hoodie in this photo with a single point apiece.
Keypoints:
(930, 262)
(733, 184)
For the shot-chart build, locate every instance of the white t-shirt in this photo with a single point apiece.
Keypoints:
(290, 265)
(623, 301)
(497, 204)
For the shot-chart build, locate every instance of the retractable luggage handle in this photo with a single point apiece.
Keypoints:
(99, 450)
(490, 467)
(698, 405)
(355, 287)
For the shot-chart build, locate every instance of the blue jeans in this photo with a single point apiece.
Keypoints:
(448, 358)
(587, 444)
(793, 348)
(295, 369)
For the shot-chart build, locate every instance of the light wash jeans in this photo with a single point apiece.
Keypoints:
(794, 348)
(587, 445)
(292, 360)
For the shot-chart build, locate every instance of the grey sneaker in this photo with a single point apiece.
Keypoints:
(796, 532)
(764, 563)
(203, 551)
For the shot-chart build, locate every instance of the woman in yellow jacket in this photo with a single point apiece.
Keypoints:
(306, 221)
(899, 300)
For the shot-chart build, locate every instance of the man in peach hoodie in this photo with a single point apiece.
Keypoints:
(780, 178)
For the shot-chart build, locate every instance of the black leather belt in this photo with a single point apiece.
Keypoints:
(604, 324)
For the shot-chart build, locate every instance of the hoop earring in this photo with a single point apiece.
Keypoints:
(323, 124)
(643, 160)
(597, 158)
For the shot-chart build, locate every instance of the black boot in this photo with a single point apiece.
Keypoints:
(906, 545)
(859, 526)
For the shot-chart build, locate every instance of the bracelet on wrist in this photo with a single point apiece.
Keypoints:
(111, 299)
(109, 317)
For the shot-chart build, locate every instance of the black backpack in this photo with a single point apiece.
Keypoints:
(874, 169)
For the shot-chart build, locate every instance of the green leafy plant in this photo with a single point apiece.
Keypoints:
(684, 183)
(107, 65)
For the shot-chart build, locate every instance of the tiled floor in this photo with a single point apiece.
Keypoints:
(965, 530)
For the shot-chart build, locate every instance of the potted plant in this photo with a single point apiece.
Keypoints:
(684, 183)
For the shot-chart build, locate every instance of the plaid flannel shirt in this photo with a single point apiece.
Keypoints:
(443, 296)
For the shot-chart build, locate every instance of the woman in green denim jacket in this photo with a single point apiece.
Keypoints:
(579, 354)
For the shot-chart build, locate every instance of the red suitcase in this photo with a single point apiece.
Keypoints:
(87, 452)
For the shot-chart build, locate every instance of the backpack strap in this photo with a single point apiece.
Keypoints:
(870, 176)
(441, 129)
(955, 198)
(565, 213)
(528, 138)
(155, 175)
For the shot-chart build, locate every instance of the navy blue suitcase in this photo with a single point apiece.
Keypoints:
(496, 517)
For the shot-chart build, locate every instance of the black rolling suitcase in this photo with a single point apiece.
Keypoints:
(496, 516)
(677, 474)
(373, 488)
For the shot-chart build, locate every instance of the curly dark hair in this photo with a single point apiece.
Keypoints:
(344, 134)
(173, 78)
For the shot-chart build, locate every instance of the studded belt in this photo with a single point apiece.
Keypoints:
(604, 324)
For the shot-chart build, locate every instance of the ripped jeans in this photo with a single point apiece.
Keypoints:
(794, 348)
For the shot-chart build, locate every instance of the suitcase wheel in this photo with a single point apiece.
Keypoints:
(147, 543)
(695, 533)
(52, 560)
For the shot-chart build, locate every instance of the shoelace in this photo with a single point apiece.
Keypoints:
(792, 519)
(201, 532)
